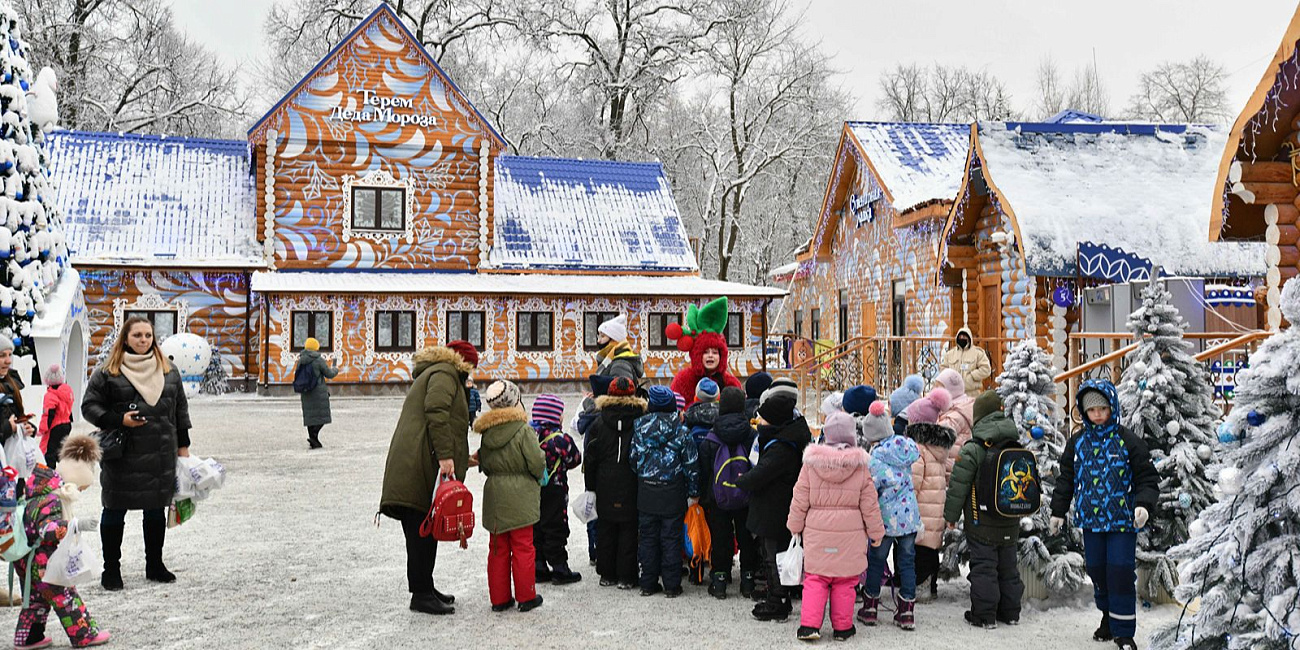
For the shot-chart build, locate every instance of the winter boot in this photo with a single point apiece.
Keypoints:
(905, 613)
(445, 598)
(542, 573)
(99, 639)
(1102, 633)
(870, 611)
(501, 607)
(111, 538)
(155, 535)
(775, 608)
(746, 584)
(718, 586)
(844, 635)
(530, 605)
(563, 575)
(1125, 643)
(313, 440)
(430, 603)
(808, 633)
(975, 622)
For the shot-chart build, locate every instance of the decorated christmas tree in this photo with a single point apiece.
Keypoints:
(1028, 393)
(32, 250)
(215, 379)
(1242, 562)
(1166, 398)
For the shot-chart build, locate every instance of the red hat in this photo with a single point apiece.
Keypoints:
(622, 387)
(466, 351)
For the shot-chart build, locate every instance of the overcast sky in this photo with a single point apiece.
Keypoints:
(1006, 37)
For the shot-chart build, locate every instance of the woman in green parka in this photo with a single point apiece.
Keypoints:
(315, 402)
(431, 441)
(514, 464)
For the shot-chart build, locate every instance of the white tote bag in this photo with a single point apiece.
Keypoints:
(75, 562)
(584, 507)
(789, 563)
(23, 453)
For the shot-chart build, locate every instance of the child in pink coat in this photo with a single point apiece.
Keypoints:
(836, 510)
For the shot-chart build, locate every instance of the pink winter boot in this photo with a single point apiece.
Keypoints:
(905, 613)
(98, 639)
(870, 610)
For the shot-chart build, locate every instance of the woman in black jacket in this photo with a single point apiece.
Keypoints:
(608, 472)
(782, 437)
(138, 393)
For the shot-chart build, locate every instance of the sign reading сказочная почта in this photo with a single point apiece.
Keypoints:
(382, 109)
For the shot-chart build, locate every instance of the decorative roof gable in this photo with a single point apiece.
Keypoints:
(143, 200)
(553, 213)
(337, 83)
(916, 163)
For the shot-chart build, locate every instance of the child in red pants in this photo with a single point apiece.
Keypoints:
(514, 464)
(47, 518)
(836, 510)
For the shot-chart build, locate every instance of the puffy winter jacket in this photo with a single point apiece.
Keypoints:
(513, 462)
(1106, 471)
(58, 400)
(835, 508)
(992, 429)
(959, 417)
(666, 462)
(607, 464)
(930, 475)
(700, 418)
(43, 520)
(891, 469)
(972, 362)
(618, 359)
(770, 482)
(561, 452)
(734, 430)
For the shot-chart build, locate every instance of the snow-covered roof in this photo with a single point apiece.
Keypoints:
(554, 213)
(505, 284)
(916, 162)
(145, 200)
(1143, 188)
(784, 269)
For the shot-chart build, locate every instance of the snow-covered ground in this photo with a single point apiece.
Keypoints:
(287, 555)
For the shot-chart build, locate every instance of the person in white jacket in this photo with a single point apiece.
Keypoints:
(970, 360)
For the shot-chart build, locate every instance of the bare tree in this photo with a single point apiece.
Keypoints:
(1088, 93)
(1050, 92)
(124, 66)
(1187, 91)
(942, 93)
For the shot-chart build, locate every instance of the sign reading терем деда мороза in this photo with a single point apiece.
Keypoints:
(379, 108)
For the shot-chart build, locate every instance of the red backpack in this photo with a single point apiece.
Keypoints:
(451, 516)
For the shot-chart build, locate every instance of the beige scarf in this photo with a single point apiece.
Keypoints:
(143, 372)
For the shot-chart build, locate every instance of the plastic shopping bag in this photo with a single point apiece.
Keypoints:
(75, 562)
(789, 563)
(23, 453)
(584, 507)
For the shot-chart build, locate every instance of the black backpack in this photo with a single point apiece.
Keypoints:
(304, 378)
(1008, 485)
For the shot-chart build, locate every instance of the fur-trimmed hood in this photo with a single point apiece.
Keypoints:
(935, 435)
(619, 401)
(494, 417)
(833, 463)
(435, 354)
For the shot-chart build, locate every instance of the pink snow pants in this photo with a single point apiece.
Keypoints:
(817, 590)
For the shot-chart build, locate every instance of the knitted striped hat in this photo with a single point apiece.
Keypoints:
(548, 409)
(681, 401)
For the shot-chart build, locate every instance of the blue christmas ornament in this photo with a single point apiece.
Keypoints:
(1226, 434)
(1063, 296)
(23, 84)
(1255, 418)
(31, 313)
(5, 311)
(1184, 500)
(1036, 433)
(18, 342)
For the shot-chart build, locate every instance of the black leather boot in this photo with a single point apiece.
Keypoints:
(155, 534)
(111, 538)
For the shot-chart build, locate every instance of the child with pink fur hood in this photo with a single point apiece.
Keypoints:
(957, 415)
(930, 475)
(835, 508)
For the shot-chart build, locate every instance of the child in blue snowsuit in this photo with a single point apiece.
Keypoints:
(1107, 472)
(665, 459)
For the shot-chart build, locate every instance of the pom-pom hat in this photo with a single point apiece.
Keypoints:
(78, 457)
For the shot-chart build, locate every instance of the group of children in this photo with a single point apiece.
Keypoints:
(884, 478)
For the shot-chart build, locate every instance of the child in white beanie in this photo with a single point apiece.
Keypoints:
(56, 414)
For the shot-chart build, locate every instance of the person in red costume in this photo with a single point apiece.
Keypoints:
(702, 338)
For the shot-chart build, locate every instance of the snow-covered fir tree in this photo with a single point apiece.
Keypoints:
(215, 379)
(1242, 560)
(1166, 397)
(1028, 393)
(32, 246)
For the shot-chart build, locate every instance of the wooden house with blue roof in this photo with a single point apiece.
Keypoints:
(375, 209)
(871, 268)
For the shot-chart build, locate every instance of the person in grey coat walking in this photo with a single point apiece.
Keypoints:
(315, 402)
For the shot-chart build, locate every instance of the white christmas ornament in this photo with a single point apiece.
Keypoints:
(190, 353)
(1204, 452)
(1231, 481)
(1173, 427)
(1197, 528)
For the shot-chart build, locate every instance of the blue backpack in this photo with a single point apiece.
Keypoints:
(728, 465)
(304, 378)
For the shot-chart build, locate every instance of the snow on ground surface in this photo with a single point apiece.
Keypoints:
(287, 555)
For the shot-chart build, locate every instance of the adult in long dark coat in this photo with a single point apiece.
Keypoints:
(139, 393)
(315, 402)
(431, 441)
